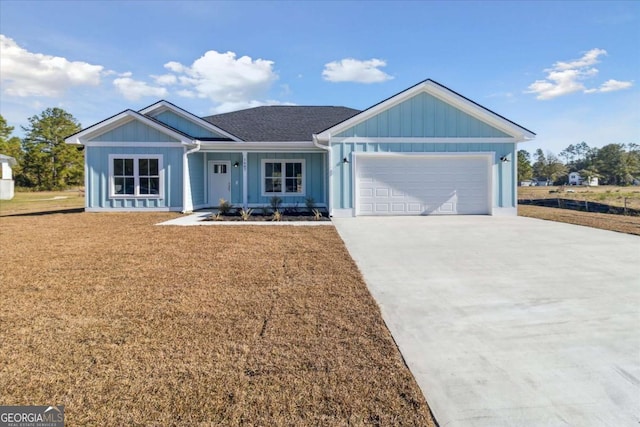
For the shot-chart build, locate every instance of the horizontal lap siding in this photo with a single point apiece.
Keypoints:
(97, 159)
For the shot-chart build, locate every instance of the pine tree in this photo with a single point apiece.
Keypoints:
(48, 162)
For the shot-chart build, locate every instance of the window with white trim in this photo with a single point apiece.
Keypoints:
(135, 176)
(283, 177)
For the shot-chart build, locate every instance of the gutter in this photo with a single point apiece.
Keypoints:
(328, 149)
(187, 200)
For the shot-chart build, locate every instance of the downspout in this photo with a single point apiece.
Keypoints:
(187, 200)
(329, 151)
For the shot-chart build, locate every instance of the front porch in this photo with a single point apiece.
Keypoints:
(252, 179)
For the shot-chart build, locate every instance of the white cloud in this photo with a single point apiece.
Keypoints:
(613, 85)
(588, 59)
(564, 78)
(135, 89)
(24, 73)
(165, 79)
(225, 79)
(354, 70)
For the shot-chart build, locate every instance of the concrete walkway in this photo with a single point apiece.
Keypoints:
(509, 321)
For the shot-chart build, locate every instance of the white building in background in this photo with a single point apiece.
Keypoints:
(576, 179)
(6, 177)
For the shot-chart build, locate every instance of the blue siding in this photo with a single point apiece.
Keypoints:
(134, 131)
(423, 116)
(236, 176)
(97, 159)
(315, 177)
(197, 177)
(187, 126)
(503, 173)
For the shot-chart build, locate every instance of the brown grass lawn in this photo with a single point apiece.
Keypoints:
(42, 201)
(620, 223)
(611, 195)
(127, 323)
(607, 194)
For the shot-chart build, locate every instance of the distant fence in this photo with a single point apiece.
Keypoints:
(580, 205)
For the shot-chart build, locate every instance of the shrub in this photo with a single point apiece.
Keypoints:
(310, 202)
(317, 215)
(275, 203)
(277, 216)
(246, 214)
(224, 207)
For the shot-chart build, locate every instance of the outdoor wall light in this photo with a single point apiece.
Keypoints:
(504, 159)
(236, 164)
(345, 160)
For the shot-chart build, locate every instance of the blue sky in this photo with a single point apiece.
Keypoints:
(568, 71)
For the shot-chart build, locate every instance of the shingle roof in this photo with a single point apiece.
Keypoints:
(279, 123)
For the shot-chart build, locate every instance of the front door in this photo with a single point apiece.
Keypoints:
(219, 182)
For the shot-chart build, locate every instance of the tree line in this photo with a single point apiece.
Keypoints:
(45, 162)
(613, 164)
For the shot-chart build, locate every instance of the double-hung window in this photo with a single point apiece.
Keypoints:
(283, 177)
(136, 176)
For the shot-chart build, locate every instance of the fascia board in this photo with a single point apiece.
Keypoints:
(444, 95)
(82, 137)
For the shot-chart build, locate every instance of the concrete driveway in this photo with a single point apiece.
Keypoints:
(509, 321)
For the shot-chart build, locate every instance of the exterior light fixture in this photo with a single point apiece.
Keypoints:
(504, 159)
(235, 165)
(345, 160)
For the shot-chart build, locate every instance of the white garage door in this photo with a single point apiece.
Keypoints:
(423, 185)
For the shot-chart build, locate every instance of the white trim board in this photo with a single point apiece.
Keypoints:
(421, 140)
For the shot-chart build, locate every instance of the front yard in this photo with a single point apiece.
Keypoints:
(127, 323)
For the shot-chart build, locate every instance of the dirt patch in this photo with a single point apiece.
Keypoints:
(127, 323)
(620, 223)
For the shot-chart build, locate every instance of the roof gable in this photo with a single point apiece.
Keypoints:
(428, 109)
(184, 121)
(134, 131)
(280, 123)
(128, 126)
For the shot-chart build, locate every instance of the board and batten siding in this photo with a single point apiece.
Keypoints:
(236, 177)
(134, 131)
(315, 178)
(97, 178)
(503, 172)
(186, 126)
(423, 115)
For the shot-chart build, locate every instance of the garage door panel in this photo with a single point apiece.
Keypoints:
(422, 185)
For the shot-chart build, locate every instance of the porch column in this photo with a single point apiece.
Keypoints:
(245, 184)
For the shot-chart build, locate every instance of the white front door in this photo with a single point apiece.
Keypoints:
(219, 181)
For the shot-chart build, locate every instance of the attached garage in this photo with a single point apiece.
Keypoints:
(423, 184)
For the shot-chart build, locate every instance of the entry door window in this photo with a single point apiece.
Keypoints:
(219, 169)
